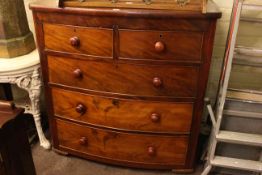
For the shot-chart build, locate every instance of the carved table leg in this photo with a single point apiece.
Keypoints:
(33, 86)
(34, 94)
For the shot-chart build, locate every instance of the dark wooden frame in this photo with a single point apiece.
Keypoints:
(15, 150)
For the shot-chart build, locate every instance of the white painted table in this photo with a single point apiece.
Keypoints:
(24, 71)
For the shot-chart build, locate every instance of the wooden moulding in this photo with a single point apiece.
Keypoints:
(181, 5)
(15, 37)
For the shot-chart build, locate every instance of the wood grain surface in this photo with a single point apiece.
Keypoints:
(96, 42)
(132, 115)
(180, 81)
(178, 45)
(170, 150)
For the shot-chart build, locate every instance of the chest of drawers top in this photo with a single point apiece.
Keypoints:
(125, 86)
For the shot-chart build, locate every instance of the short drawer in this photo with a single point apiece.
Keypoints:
(127, 79)
(160, 45)
(122, 146)
(157, 117)
(78, 40)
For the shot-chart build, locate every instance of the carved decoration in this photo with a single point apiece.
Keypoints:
(182, 2)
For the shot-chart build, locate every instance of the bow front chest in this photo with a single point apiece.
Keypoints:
(125, 86)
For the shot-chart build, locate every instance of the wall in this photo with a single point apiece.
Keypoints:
(29, 14)
(219, 46)
(249, 35)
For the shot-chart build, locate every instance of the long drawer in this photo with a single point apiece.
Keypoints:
(78, 40)
(157, 117)
(130, 79)
(160, 45)
(122, 147)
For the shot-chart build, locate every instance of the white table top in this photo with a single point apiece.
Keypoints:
(18, 63)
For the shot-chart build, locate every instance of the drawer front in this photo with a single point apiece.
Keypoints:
(79, 40)
(137, 80)
(161, 45)
(149, 149)
(123, 114)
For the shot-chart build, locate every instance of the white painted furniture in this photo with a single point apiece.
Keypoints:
(24, 71)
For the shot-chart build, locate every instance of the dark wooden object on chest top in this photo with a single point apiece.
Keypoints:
(15, 151)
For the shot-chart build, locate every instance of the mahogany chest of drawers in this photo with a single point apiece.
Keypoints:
(125, 86)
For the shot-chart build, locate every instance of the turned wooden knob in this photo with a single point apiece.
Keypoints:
(74, 41)
(78, 73)
(159, 46)
(151, 151)
(83, 141)
(155, 117)
(80, 108)
(157, 82)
